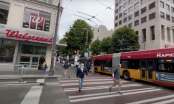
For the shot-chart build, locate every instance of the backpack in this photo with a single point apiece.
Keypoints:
(115, 72)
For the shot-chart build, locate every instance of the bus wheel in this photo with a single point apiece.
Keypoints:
(126, 74)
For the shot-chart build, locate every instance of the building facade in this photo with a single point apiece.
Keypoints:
(152, 20)
(101, 32)
(26, 32)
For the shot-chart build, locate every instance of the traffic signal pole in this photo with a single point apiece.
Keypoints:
(87, 42)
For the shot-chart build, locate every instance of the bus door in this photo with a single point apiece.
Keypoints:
(102, 65)
(146, 69)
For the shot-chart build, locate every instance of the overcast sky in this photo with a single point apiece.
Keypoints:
(91, 7)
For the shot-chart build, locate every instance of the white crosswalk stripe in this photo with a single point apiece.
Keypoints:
(96, 89)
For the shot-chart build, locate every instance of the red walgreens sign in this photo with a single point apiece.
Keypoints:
(26, 37)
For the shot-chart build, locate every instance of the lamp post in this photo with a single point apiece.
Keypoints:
(54, 49)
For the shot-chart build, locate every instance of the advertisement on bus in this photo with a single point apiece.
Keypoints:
(164, 77)
(108, 69)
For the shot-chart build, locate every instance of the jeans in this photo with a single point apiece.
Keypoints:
(44, 70)
(80, 83)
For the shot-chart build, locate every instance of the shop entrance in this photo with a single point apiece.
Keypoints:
(32, 62)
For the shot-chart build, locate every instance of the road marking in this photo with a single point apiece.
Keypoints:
(40, 80)
(98, 94)
(114, 95)
(165, 102)
(89, 83)
(153, 99)
(86, 80)
(33, 96)
(101, 87)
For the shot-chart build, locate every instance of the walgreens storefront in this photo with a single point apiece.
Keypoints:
(21, 48)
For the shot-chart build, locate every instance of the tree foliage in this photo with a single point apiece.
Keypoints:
(105, 45)
(94, 47)
(76, 37)
(125, 39)
(64, 51)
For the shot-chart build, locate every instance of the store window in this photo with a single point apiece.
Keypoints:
(4, 8)
(33, 50)
(7, 49)
(39, 50)
(36, 20)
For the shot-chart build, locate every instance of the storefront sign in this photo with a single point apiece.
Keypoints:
(26, 37)
(165, 77)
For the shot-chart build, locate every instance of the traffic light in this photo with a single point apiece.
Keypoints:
(87, 47)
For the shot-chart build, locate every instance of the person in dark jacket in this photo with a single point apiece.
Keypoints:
(66, 67)
(80, 74)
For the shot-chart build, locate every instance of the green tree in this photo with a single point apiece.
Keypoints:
(76, 36)
(125, 39)
(105, 45)
(94, 47)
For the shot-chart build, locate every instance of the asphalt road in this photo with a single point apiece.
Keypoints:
(96, 91)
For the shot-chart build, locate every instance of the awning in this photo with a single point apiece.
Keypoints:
(61, 46)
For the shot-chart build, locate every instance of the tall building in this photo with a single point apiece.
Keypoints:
(152, 20)
(26, 32)
(101, 32)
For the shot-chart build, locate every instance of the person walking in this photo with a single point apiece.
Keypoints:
(44, 67)
(66, 67)
(116, 78)
(80, 74)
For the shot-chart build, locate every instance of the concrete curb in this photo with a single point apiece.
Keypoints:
(17, 83)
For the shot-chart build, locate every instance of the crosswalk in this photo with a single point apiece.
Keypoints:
(95, 90)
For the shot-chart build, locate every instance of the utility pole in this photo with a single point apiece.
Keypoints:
(51, 71)
(87, 41)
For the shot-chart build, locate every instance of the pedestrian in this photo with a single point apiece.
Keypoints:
(80, 74)
(66, 67)
(44, 67)
(116, 78)
(88, 66)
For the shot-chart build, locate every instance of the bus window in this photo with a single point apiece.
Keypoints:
(166, 67)
(96, 63)
(108, 63)
(143, 64)
(149, 64)
(133, 64)
(124, 64)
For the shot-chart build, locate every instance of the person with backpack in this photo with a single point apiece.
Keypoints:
(116, 78)
(66, 67)
(44, 67)
(80, 74)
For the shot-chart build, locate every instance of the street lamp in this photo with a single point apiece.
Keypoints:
(54, 49)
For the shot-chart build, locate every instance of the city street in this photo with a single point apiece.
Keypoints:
(96, 91)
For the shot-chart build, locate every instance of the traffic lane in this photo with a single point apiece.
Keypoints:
(100, 91)
(126, 98)
(89, 84)
(13, 94)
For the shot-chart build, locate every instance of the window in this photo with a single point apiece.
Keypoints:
(120, 22)
(168, 17)
(116, 4)
(130, 16)
(130, 25)
(116, 17)
(7, 49)
(125, 12)
(136, 5)
(130, 9)
(152, 16)
(4, 8)
(168, 33)
(125, 26)
(162, 32)
(120, 8)
(166, 67)
(161, 4)
(152, 28)
(144, 34)
(31, 49)
(167, 7)
(136, 22)
(97, 63)
(116, 11)
(36, 20)
(172, 9)
(130, 1)
(143, 1)
(108, 63)
(125, 19)
(152, 5)
(143, 10)
(116, 24)
(120, 15)
(172, 19)
(48, 1)
(136, 32)
(136, 14)
(125, 4)
(162, 15)
(143, 19)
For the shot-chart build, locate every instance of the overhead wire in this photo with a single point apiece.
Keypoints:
(68, 3)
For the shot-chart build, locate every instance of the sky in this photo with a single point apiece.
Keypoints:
(90, 7)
